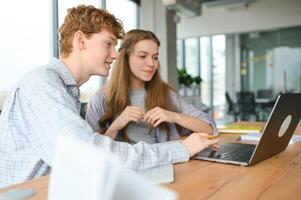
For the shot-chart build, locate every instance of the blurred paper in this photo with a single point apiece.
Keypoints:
(134, 187)
(83, 171)
(157, 175)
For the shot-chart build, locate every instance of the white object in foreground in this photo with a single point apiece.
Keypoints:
(83, 171)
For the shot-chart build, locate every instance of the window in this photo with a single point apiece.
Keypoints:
(124, 10)
(213, 73)
(26, 40)
(180, 54)
(192, 56)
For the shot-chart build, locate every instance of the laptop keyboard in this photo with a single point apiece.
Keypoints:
(237, 152)
(230, 151)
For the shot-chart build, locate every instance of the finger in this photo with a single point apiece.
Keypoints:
(137, 110)
(158, 122)
(154, 119)
(149, 119)
(147, 114)
(151, 111)
(134, 119)
(214, 147)
(212, 141)
(137, 116)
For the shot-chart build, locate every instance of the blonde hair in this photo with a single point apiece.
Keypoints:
(89, 20)
(119, 86)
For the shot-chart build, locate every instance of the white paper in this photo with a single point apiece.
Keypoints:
(82, 171)
(157, 175)
(134, 187)
(257, 136)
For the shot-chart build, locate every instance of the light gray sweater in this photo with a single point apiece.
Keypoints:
(141, 131)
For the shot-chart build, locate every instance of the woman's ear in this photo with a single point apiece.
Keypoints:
(79, 40)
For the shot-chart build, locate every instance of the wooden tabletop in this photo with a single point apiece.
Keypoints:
(278, 177)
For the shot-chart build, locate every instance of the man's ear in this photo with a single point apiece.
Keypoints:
(79, 40)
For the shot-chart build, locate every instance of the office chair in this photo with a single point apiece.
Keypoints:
(264, 103)
(232, 107)
(264, 94)
(246, 105)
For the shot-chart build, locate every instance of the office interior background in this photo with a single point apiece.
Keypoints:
(229, 58)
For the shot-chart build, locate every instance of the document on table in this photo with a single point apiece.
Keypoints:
(157, 175)
(257, 136)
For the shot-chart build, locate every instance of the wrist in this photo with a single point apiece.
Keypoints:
(176, 117)
(187, 148)
(111, 132)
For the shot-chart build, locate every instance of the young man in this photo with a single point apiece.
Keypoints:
(45, 103)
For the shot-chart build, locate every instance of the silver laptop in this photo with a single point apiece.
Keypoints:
(276, 135)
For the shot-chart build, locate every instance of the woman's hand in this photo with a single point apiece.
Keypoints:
(196, 142)
(158, 115)
(130, 114)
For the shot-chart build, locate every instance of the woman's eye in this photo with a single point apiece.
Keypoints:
(141, 56)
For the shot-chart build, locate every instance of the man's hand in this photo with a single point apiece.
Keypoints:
(196, 142)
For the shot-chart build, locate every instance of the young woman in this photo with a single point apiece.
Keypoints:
(136, 104)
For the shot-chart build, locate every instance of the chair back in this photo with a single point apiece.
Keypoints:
(264, 94)
(246, 104)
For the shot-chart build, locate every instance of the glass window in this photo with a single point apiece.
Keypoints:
(180, 54)
(206, 69)
(124, 10)
(192, 56)
(218, 64)
(26, 39)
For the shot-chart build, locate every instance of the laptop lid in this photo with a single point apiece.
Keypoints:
(279, 128)
(276, 134)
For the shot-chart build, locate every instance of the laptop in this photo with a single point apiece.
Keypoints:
(276, 135)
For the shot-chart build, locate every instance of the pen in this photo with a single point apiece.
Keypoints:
(212, 136)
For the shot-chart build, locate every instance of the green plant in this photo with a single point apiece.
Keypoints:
(186, 79)
(197, 80)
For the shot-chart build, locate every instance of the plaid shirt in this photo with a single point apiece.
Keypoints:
(46, 103)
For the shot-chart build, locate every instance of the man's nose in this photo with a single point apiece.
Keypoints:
(114, 54)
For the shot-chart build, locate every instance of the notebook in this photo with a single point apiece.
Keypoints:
(159, 174)
(276, 135)
(239, 128)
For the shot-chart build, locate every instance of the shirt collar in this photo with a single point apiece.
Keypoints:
(65, 75)
(63, 71)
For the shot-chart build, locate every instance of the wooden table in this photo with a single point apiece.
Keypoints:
(276, 178)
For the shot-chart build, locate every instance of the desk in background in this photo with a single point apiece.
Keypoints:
(275, 178)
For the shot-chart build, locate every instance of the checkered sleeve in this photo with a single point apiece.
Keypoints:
(54, 112)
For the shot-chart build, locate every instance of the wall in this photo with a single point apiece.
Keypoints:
(260, 15)
(155, 17)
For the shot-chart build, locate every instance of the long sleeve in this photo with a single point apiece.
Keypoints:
(188, 109)
(95, 110)
(53, 113)
(44, 104)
